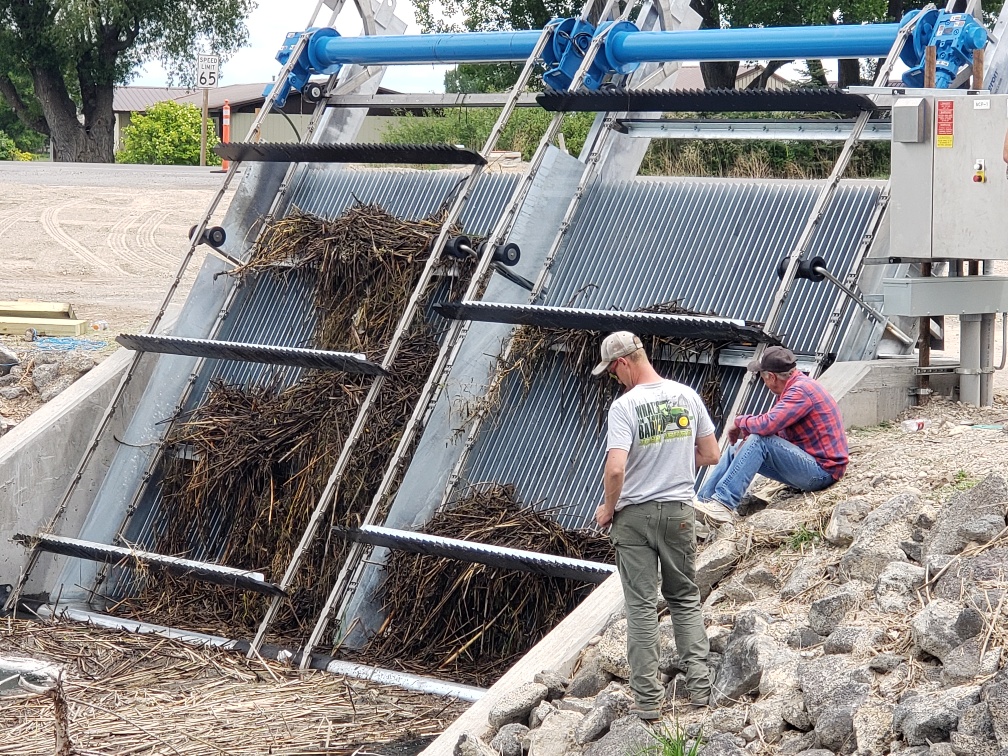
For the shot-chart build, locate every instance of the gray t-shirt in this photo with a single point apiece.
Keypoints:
(657, 425)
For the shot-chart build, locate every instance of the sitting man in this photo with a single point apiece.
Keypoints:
(799, 442)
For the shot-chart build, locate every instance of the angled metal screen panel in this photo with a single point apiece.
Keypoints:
(408, 194)
(551, 445)
(277, 308)
(712, 245)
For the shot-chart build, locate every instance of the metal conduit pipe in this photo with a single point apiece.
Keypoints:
(969, 359)
(625, 47)
(326, 664)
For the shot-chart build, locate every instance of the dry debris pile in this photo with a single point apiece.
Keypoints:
(471, 622)
(245, 470)
(142, 694)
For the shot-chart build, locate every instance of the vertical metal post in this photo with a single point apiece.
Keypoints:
(924, 348)
(978, 69)
(202, 137)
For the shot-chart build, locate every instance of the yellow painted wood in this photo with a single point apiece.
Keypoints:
(14, 326)
(27, 308)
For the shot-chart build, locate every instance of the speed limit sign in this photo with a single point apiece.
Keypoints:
(207, 71)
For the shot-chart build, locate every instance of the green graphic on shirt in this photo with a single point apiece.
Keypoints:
(661, 421)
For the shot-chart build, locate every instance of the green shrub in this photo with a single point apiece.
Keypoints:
(471, 127)
(7, 147)
(168, 134)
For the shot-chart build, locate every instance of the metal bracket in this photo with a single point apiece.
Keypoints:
(936, 370)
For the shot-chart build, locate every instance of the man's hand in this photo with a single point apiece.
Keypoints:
(733, 432)
(603, 515)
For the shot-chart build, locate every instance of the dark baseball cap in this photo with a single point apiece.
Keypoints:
(775, 359)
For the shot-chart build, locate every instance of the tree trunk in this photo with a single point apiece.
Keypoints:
(849, 73)
(720, 75)
(72, 140)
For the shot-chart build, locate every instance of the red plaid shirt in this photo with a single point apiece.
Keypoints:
(807, 416)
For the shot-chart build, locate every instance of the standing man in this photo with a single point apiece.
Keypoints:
(799, 442)
(659, 433)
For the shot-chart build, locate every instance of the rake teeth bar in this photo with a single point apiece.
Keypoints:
(806, 99)
(642, 323)
(297, 152)
(118, 555)
(320, 359)
(546, 565)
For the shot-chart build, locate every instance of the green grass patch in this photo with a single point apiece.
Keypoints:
(804, 537)
(672, 740)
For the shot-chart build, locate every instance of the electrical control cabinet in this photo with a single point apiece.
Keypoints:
(949, 189)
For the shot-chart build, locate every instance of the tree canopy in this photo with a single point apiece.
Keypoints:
(62, 58)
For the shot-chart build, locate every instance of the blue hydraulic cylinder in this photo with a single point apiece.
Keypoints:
(626, 46)
(781, 43)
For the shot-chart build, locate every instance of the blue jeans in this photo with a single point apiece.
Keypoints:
(770, 456)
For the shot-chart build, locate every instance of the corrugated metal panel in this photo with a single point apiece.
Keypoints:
(551, 445)
(328, 191)
(713, 245)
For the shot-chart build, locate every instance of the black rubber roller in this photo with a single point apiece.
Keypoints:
(459, 247)
(807, 269)
(508, 255)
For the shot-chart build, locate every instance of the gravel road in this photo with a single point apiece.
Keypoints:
(108, 239)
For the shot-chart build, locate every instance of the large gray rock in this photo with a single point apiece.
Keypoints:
(594, 725)
(714, 562)
(8, 359)
(539, 714)
(942, 625)
(949, 535)
(555, 736)
(626, 735)
(12, 392)
(795, 714)
(975, 579)
(826, 614)
(43, 375)
(806, 573)
(995, 695)
(833, 688)
(877, 542)
(581, 705)
(848, 638)
(873, 728)
(846, 519)
(470, 745)
(76, 364)
(780, 673)
(896, 588)
(963, 663)
(612, 649)
(974, 735)
(508, 740)
(766, 715)
(723, 744)
(742, 666)
(517, 704)
(616, 698)
(56, 387)
(930, 717)
(556, 684)
(730, 719)
(590, 677)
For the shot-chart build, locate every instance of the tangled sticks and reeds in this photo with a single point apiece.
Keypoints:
(252, 461)
(468, 621)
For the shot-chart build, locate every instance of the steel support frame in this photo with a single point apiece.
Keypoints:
(350, 573)
(765, 129)
(120, 391)
(772, 321)
(328, 493)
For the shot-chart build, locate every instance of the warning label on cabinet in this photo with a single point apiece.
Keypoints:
(945, 123)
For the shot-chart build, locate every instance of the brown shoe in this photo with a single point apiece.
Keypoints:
(648, 715)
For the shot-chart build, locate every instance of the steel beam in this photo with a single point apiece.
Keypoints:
(806, 129)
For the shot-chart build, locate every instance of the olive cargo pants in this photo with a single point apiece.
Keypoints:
(646, 536)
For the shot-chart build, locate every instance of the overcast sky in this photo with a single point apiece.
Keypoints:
(269, 24)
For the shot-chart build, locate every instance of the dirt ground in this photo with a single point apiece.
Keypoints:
(108, 239)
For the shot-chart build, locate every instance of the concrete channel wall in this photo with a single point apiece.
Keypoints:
(39, 457)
